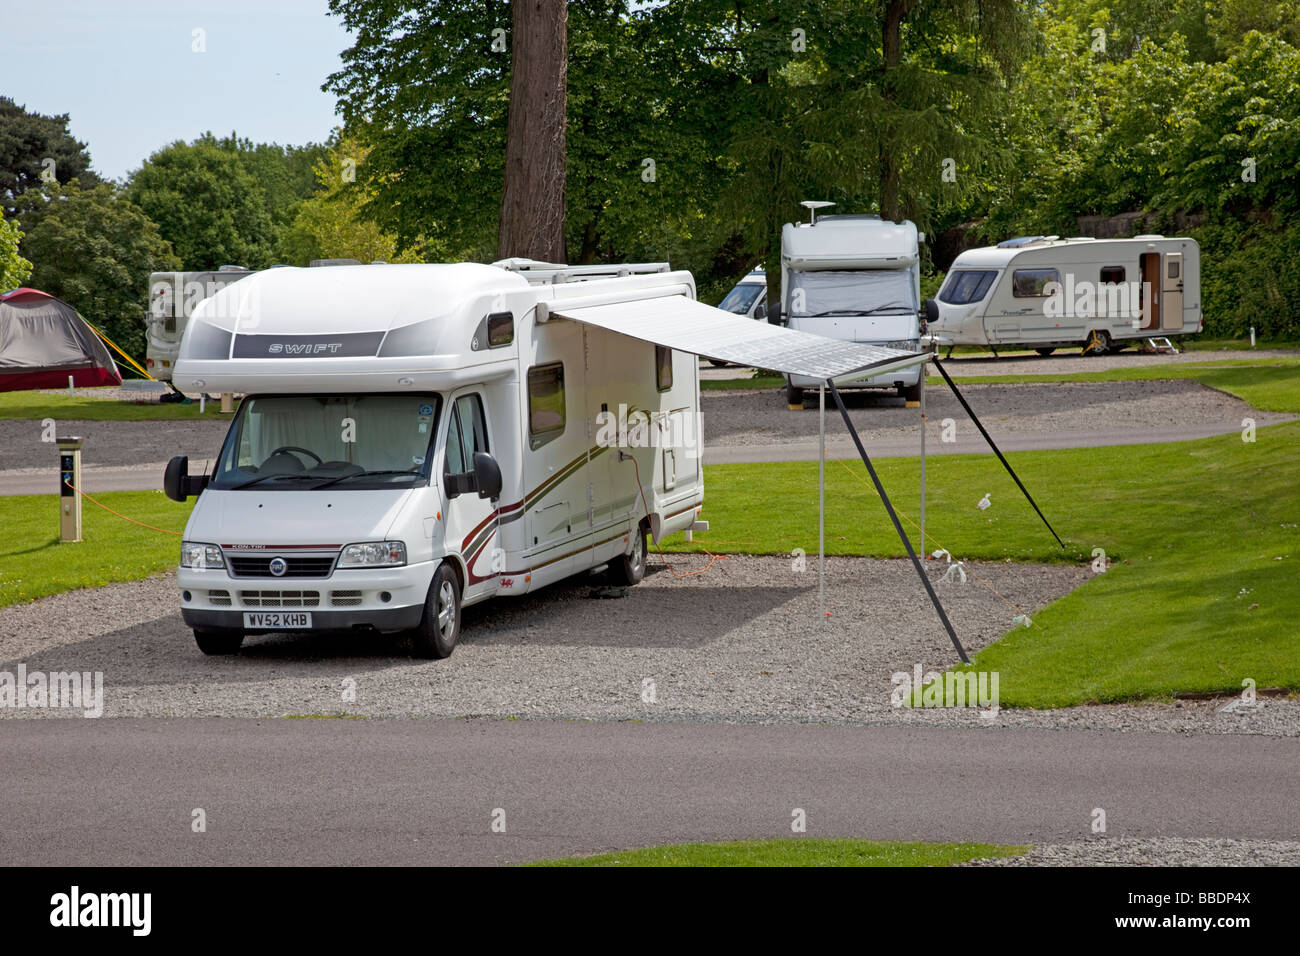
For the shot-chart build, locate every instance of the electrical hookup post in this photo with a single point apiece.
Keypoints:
(69, 482)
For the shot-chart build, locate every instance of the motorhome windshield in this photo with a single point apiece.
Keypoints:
(296, 442)
(863, 292)
(740, 298)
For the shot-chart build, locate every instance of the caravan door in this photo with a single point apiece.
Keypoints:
(1172, 293)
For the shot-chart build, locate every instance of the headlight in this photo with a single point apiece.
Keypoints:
(373, 554)
(196, 555)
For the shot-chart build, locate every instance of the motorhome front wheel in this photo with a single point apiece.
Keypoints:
(440, 628)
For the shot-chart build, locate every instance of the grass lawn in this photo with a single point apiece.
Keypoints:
(1272, 385)
(1204, 589)
(797, 851)
(760, 380)
(38, 405)
(34, 564)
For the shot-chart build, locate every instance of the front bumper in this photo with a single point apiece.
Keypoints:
(345, 599)
(906, 376)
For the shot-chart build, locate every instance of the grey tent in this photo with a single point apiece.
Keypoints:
(44, 342)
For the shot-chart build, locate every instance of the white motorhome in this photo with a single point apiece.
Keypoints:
(1045, 293)
(173, 296)
(417, 438)
(855, 278)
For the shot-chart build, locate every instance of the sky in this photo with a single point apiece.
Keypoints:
(128, 73)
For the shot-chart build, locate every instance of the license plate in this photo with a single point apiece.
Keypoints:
(279, 620)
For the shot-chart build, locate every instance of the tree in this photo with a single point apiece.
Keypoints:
(14, 269)
(329, 225)
(35, 150)
(206, 205)
(95, 250)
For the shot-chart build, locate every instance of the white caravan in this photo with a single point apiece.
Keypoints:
(1045, 292)
(855, 278)
(425, 435)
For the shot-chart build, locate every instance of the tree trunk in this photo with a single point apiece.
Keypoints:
(891, 45)
(532, 200)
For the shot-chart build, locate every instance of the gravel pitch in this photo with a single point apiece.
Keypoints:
(1154, 851)
(751, 652)
(1067, 361)
(1057, 408)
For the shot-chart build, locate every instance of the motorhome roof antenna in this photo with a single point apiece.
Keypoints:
(812, 205)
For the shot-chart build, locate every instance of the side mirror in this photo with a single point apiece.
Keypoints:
(760, 311)
(177, 483)
(931, 310)
(487, 475)
(774, 316)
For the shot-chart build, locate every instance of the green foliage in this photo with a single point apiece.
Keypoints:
(36, 149)
(329, 225)
(14, 269)
(206, 204)
(94, 249)
(810, 851)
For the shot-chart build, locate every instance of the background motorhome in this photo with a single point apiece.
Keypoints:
(173, 296)
(856, 278)
(1045, 292)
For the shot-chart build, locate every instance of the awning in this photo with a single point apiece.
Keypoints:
(683, 324)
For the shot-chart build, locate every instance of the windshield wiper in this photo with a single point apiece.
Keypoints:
(879, 308)
(365, 474)
(293, 474)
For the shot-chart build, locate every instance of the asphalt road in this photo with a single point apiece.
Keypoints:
(281, 791)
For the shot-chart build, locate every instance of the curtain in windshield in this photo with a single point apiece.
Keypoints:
(372, 432)
(885, 290)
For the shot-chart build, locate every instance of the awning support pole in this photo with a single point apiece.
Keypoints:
(961, 398)
(902, 535)
(924, 548)
(821, 504)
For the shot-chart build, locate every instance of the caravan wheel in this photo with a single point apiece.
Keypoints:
(1098, 342)
(629, 569)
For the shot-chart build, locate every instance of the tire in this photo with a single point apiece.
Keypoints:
(439, 628)
(910, 393)
(1098, 342)
(628, 569)
(1045, 352)
(218, 642)
(794, 395)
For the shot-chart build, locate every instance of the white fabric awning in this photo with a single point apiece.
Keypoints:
(683, 324)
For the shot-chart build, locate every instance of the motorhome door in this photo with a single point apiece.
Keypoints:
(1152, 284)
(471, 521)
(1172, 293)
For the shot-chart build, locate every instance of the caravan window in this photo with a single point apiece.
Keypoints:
(965, 286)
(1030, 283)
(663, 368)
(545, 404)
(1112, 274)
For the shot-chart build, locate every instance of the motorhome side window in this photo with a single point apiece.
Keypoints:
(1030, 283)
(1112, 274)
(545, 404)
(466, 434)
(965, 286)
(663, 368)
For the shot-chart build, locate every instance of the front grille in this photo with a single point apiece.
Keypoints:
(219, 598)
(345, 598)
(280, 598)
(316, 566)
